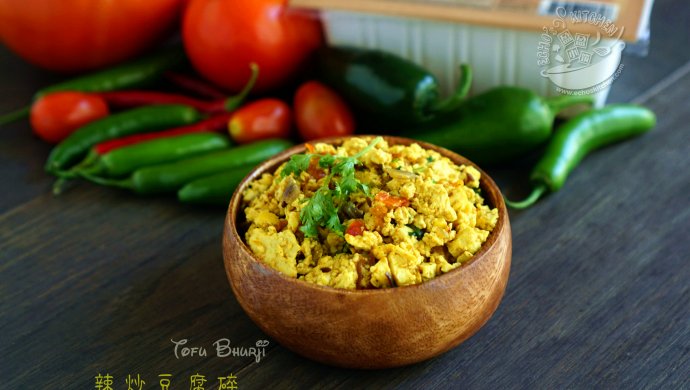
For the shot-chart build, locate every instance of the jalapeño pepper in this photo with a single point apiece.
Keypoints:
(388, 88)
(498, 125)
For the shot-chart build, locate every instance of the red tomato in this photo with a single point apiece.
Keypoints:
(222, 37)
(261, 119)
(78, 35)
(356, 228)
(320, 112)
(56, 115)
(391, 200)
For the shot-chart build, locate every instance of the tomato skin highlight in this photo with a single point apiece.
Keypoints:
(321, 113)
(261, 119)
(73, 36)
(222, 37)
(56, 115)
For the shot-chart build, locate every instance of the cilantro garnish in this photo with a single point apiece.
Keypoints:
(322, 208)
(416, 232)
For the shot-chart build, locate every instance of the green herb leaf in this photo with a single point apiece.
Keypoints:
(416, 232)
(323, 207)
(326, 161)
(297, 164)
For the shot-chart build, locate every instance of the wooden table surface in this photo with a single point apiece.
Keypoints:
(98, 281)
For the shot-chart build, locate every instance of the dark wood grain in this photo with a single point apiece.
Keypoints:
(99, 281)
(670, 26)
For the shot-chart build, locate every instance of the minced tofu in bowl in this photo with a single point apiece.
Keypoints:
(367, 215)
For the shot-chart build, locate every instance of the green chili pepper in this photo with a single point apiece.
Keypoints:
(125, 160)
(172, 176)
(215, 189)
(498, 125)
(129, 75)
(386, 86)
(148, 118)
(578, 137)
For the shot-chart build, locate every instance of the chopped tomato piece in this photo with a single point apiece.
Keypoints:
(379, 211)
(356, 228)
(314, 170)
(390, 200)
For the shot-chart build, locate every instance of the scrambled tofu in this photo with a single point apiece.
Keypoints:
(279, 250)
(424, 216)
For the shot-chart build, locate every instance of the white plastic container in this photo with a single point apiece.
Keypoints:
(530, 45)
(497, 56)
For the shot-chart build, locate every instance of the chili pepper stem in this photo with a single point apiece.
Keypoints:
(73, 173)
(232, 103)
(461, 91)
(533, 197)
(561, 102)
(64, 177)
(125, 183)
(14, 115)
(59, 185)
(91, 171)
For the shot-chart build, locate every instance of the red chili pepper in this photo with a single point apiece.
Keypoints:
(135, 98)
(390, 200)
(216, 123)
(356, 228)
(194, 85)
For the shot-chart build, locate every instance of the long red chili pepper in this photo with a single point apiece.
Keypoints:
(135, 98)
(215, 123)
(194, 85)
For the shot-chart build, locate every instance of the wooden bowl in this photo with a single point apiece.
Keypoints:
(370, 328)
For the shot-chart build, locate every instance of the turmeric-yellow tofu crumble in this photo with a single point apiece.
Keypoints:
(367, 215)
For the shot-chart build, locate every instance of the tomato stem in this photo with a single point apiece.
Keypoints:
(233, 102)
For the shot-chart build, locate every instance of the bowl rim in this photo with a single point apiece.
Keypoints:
(270, 165)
